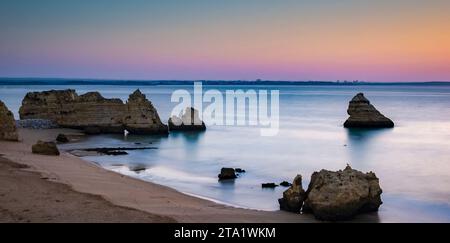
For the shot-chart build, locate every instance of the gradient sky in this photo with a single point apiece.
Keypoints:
(395, 40)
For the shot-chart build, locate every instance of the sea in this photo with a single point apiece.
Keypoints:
(412, 160)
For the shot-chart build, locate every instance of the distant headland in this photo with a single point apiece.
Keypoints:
(79, 81)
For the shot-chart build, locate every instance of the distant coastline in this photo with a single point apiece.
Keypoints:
(75, 81)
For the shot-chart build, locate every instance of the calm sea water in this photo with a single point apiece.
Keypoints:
(412, 160)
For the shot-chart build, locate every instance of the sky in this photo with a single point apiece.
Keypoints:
(395, 40)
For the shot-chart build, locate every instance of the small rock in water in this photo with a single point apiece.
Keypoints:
(227, 173)
(269, 185)
(115, 152)
(285, 184)
(45, 148)
(138, 168)
(239, 170)
(62, 138)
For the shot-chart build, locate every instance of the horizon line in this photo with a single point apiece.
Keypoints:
(338, 81)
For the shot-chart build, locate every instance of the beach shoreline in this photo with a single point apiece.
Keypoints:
(163, 203)
(88, 178)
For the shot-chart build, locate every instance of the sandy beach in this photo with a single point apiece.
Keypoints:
(71, 184)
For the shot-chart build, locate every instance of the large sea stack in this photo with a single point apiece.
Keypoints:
(334, 195)
(188, 121)
(7, 124)
(341, 195)
(364, 115)
(92, 112)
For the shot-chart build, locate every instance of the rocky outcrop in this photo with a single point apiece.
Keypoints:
(227, 173)
(189, 121)
(8, 129)
(293, 197)
(92, 112)
(343, 194)
(45, 148)
(141, 117)
(364, 115)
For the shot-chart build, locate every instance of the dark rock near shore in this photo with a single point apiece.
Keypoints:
(269, 185)
(189, 121)
(285, 184)
(115, 151)
(227, 173)
(8, 129)
(45, 148)
(343, 194)
(93, 113)
(293, 197)
(62, 138)
(364, 115)
(239, 170)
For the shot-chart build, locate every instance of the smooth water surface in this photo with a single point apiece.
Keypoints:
(412, 160)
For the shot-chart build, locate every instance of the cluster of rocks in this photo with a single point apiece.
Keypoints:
(333, 195)
(36, 124)
(229, 173)
(8, 129)
(95, 114)
(365, 115)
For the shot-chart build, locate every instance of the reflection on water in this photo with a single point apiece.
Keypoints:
(360, 141)
(412, 160)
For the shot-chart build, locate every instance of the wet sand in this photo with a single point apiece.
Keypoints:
(66, 188)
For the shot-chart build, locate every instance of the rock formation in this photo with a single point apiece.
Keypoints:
(293, 197)
(364, 115)
(92, 112)
(141, 117)
(189, 121)
(7, 124)
(227, 173)
(45, 148)
(343, 194)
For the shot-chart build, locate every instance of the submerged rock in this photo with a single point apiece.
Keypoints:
(45, 148)
(364, 115)
(93, 113)
(8, 129)
(239, 170)
(189, 121)
(343, 194)
(227, 173)
(269, 185)
(293, 197)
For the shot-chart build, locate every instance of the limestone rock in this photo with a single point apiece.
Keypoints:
(92, 112)
(8, 129)
(343, 194)
(365, 115)
(45, 148)
(293, 197)
(227, 173)
(189, 121)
